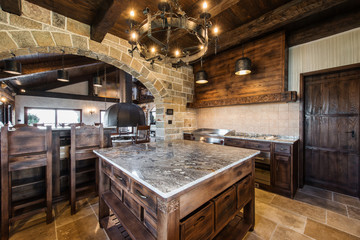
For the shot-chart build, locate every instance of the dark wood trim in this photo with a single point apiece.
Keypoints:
(49, 108)
(68, 96)
(279, 17)
(301, 115)
(105, 20)
(290, 96)
(11, 6)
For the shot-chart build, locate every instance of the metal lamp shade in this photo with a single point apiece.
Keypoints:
(201, 77)
(243, 66)
(12, 67)
(63, 76)
(124, 115)
(97, 82)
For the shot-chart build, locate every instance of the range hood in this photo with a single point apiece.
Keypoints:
(125, 113)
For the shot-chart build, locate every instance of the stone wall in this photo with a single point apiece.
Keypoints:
(39, 30)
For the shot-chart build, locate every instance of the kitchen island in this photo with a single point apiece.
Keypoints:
(175, 190)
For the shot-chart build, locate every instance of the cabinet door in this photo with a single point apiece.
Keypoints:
(282, 171)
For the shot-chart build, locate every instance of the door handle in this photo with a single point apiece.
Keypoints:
(352, 133)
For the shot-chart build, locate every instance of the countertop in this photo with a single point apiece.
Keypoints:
(169, 167)
(263, 137)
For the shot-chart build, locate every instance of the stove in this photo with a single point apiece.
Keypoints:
(213, 136)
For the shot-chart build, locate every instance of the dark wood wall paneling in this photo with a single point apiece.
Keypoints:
(266, 83)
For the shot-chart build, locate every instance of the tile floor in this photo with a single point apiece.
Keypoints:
(313, 214)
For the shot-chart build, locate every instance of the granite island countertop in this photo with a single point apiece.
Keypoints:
(169, 167)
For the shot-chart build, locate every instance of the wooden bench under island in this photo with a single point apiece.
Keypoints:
(176, 190)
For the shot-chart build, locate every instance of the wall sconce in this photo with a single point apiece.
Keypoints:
(92, 111)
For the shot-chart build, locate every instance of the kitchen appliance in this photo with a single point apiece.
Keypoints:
(213, 136)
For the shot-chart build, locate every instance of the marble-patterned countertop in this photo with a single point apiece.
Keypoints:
(263, 137)
(169, 167)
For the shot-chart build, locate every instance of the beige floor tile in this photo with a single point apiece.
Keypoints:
(279, 216)
(344, 199)
(95, 208)
(263, 196)
(354, 212)
(301, 208)
(252, 236)
(343, 223)
(282, 233)
(321, 202)
(321, 231)
(63, 212)
(318, 192)
(38, 230)
(264, 227)
(29, 221)
(86, 228)
(93, 200)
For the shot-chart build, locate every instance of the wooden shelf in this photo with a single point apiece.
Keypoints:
(86, 169)
(236, 229)
(126, 218)
(114, 229)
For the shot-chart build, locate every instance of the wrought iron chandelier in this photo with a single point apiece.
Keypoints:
(154, 37)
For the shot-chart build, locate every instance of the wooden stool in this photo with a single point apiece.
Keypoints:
(142, 134)
(84, 140)
(25, 148)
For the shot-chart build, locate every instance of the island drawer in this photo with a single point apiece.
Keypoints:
(150, 223)
(282, 148)
(121, 178)
(264, 146)
(106, 167)
(225, 207)
(132, 205)
(235, 142)
(200, 225)
(243, 191)
(144, 195)
(116, 190)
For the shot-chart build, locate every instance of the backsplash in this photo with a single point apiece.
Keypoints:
(272, 118)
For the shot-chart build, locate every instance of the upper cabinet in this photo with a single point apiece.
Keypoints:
(266, 83)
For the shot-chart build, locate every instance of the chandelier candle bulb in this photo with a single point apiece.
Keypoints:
(132, 13)
(205, 6)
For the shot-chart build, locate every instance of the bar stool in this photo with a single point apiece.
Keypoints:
(84, 140)
(142, 134)
(24, 148)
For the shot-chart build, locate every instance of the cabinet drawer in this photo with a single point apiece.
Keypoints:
(144, 195)
(200, 225)
(132, 205)
(244, 190)
(235, 142)
(225, 207)
(282, 148)
(116, 190)
(121, 178)
(106, 168)
(264, 146)
(150, 223)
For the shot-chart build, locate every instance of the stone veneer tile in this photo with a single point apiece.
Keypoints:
(307, 210)
(320, 231)
(344, 199)
(24, 22)
(43, 39)
(343, 223)
(321, 202)
(78, 27)
(282, 233)
(318, 192)
(3, 16)
(6, 43)
(36, 12)
(7, 27)
(62, 39)
(282, 217)
(79, 42)
(354, 212)
(115, 53)
(98, 47)
(23, 39)
(58, 20)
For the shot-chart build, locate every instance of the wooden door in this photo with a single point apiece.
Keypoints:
(331, 130)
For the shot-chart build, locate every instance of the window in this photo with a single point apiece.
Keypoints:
(52, 116)
(102, 116)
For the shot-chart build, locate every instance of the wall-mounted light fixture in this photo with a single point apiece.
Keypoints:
(92, 111)
(12, 66)
(243, 65)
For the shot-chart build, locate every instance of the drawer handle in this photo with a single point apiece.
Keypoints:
(282, 149)
(140, 194)
(200, 219)
(121, 179)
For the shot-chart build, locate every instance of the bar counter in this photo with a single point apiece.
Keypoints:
(175, 189)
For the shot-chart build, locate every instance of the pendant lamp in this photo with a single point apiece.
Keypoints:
(63, 75)
(12, 66)
(243, 65)
(201, 77)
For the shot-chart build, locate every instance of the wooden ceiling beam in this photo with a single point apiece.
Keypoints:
(286, 14)
(11, 6)
(105, 20)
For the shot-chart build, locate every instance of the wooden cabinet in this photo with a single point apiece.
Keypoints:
(283, 164)
(189, 136)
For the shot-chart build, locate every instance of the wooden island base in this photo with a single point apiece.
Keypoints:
(208, 210)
